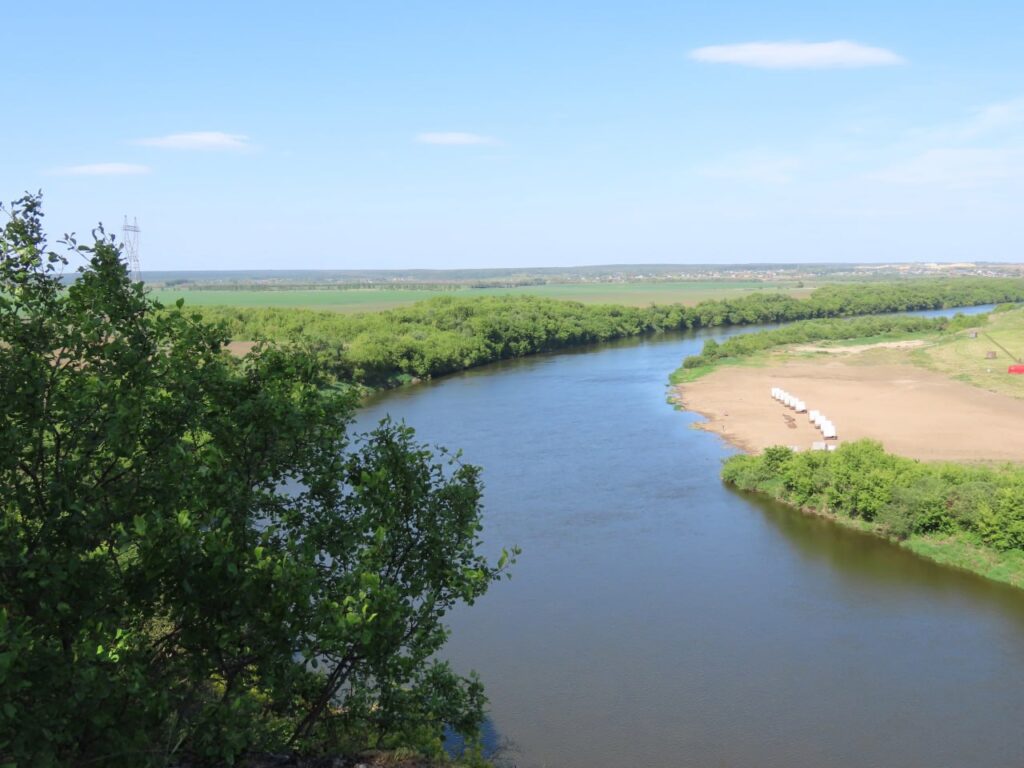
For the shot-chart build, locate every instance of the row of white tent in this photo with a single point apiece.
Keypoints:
(828, 429)
(789, 400)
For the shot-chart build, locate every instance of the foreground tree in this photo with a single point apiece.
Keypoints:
(195, 558)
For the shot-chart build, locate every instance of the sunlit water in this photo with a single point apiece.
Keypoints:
(657, 618)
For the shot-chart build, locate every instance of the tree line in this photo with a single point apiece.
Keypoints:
(451, 333)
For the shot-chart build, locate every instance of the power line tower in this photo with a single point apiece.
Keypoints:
(130, 236)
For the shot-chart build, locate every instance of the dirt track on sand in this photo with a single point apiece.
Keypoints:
(912, 411)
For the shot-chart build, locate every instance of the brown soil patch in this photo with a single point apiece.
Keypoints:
(913, 412)
(240, 348)
(857, 348)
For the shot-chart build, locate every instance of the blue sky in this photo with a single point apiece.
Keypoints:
(472, 134)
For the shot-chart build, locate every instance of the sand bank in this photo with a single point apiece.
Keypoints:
(912, 411)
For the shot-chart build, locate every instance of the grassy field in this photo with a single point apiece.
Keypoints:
(357, 300)
(373, 299)
(962, 357)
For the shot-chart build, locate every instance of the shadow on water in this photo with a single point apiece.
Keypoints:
(868, 562)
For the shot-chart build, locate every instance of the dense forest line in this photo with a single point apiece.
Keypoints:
(805, 331)
(942, 505)
(449, 333)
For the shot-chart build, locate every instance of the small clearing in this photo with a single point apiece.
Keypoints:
(855, 349)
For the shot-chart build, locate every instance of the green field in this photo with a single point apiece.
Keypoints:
(637, 294)
(356, 300)
(963, 357)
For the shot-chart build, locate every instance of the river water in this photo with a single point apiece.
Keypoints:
(658, 618)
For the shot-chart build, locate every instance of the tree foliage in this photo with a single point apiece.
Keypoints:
(196, 557)
(903, 496)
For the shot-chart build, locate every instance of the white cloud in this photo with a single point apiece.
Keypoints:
(837, 54)
(102, 169)
(955, 167)
(454, 138)
(203, 140)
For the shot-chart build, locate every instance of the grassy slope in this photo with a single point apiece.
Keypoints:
(373, 299)
(963, 358)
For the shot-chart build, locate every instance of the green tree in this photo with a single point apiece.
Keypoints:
(196, 558)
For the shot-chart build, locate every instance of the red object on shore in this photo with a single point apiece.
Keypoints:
(1017, 369)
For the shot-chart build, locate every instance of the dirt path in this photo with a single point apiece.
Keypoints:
(912, 411)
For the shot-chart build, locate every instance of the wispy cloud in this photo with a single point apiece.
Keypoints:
(454, 139)
(837, 54)
(988, 122)
(102, 169)
(985, 148)
(955, 167)
(198, 140)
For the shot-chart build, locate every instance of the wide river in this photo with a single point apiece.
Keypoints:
(658, 618)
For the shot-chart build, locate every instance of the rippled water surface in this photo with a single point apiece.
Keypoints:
(657, 618)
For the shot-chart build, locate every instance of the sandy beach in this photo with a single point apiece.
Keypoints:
(912, 411)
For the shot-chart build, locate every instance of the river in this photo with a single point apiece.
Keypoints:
(658, 618)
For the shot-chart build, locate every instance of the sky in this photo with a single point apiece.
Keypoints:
(388, 134)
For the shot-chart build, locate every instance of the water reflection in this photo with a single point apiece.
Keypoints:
(867, 562)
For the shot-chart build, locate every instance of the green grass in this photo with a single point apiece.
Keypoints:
(352, 300)
(375, 299)
(961, 357)
(686, 375)
(959, 551)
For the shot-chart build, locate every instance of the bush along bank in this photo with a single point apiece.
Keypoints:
(971, 517)
(448, 333)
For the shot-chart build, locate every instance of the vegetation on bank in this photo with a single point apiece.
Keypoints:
(199, 561)
(967, 516)
(449, 333)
